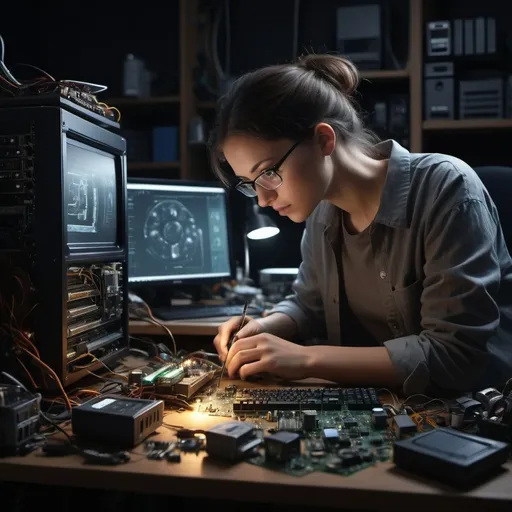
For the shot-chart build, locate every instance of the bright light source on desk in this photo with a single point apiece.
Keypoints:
(280, 271)
(262, 233)
(259, 226)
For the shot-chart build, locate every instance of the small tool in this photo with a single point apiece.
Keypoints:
(233, 338)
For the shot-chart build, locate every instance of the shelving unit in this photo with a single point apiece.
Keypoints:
(187, 106)
(467, 124)
(392, 74)
(478, 141)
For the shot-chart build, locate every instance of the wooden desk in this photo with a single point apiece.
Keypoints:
(196, 327)
(379, 488)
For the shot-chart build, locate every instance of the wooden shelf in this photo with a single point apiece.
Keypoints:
(152, 166)
(141, 102)
(383, 74)
(466, 124)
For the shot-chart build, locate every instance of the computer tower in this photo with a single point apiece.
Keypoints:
(63, 241)
(439, 91)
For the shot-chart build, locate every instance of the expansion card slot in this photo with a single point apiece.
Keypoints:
(94, 311)
(79, 328)
(75, 283)
(82, 294)
(84, 347)
(109, 338)
(82, 310)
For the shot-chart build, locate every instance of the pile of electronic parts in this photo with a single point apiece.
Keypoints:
(302, 430)
(289, 429)
(334, 433)
(342, 431)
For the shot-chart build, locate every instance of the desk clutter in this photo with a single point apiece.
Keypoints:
(296, 429)
(343, 431)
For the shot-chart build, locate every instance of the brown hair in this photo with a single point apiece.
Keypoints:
(287, 101)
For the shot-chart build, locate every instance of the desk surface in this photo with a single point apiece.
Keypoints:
(196, 327)
(380, 487)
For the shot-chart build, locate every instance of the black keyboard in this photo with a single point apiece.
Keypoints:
(326, 399)
(202, 311)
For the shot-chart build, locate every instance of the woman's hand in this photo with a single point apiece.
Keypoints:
(266, 353)
(251, 327)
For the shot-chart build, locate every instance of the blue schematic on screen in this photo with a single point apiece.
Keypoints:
(177, 232)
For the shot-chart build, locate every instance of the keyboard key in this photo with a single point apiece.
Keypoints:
(328, 399)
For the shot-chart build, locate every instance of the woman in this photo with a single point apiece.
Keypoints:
(406, 279)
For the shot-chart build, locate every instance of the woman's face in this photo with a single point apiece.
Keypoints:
(306, 173)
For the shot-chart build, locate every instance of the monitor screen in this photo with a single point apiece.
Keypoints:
(177, 232)
(90, 195)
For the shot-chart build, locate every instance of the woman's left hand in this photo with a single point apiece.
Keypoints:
(266, 353)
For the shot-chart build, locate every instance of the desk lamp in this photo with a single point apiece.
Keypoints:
(258, 227)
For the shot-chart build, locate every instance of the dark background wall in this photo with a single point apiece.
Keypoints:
(90, 41)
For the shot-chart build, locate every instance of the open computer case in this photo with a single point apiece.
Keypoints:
(63, 241)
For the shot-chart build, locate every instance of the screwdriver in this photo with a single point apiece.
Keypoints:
(232, 339)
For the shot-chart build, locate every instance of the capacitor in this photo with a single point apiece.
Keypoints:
(309, 420)
(135, 378)
(379, 417)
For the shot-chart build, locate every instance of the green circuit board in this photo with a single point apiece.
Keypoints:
(355, 444)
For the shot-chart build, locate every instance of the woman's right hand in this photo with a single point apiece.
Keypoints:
(251, 327)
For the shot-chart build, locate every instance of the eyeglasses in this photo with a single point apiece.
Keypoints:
(269, 178)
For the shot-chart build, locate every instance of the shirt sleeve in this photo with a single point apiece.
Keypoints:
(459, 313)
(305, 305)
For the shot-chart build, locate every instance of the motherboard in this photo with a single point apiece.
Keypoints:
(335, 430)
(342, 442)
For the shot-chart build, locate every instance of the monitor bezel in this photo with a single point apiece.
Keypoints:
(193, 281)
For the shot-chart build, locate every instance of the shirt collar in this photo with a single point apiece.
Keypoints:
(393, 202)
(393, 205)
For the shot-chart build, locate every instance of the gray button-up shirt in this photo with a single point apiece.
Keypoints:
(445, 275)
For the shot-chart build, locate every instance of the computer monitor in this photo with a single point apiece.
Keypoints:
(178, 232)
(90, 180)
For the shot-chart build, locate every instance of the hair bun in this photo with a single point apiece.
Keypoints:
(338, 71)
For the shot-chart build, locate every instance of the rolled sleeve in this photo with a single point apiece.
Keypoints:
(410, 361)
(459, 312)
(305, 305)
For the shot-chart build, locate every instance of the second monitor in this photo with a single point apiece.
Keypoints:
(178, 232)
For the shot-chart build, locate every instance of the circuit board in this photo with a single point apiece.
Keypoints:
(353, 445)
(215, 402)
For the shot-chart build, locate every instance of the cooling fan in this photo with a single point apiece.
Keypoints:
(172, 235)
